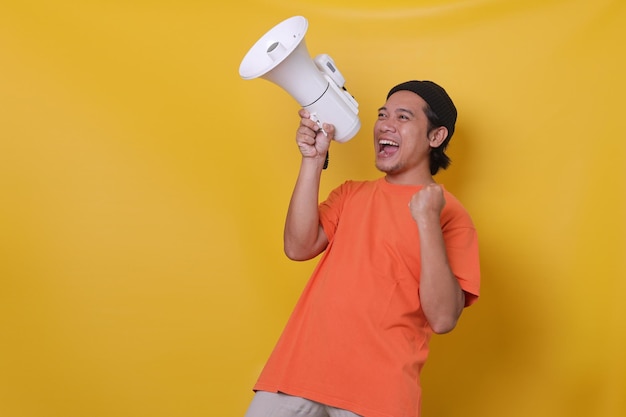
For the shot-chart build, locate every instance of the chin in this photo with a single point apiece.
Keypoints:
(387, 168)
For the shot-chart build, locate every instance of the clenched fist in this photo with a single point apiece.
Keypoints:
(311, 140)
(429, 201)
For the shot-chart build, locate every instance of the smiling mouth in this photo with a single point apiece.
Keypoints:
(387, 147)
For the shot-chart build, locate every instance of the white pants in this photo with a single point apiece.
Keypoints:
(269, 404)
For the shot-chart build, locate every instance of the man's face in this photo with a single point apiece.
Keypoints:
(400, 139)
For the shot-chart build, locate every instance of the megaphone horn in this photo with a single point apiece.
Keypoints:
(281, 57)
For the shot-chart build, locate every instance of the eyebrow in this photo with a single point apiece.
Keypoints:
(402, 110)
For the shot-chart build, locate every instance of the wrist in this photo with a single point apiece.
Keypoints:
(428, 219)
(317, 160)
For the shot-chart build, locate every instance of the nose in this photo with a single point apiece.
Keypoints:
(385, 125)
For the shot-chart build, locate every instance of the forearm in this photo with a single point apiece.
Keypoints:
(303, 237)
(441, 295)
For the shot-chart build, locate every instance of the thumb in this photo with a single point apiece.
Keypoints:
(330, 130)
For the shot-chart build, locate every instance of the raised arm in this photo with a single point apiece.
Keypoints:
(304, 237)
(441, 295)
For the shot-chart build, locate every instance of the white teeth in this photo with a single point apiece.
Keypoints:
(387, 142)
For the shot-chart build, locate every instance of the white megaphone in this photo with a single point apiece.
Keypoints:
(281, 56)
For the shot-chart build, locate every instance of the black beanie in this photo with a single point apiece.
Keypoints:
(436, 98)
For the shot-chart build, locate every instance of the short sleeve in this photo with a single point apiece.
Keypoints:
(330, 210)
(461, 241)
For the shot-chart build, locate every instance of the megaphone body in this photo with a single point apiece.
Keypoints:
(281, 57)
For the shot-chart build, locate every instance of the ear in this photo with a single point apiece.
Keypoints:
(437, 136)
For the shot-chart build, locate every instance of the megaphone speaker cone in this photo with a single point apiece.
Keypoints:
(273, 47)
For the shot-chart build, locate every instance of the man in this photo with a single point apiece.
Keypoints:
(400, 263)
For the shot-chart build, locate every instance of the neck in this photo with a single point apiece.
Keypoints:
(409, 179)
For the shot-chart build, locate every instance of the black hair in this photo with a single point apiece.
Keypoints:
(438, 157)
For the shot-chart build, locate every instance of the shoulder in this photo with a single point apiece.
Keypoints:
(352, 186)
(454, 212)
(357, 184)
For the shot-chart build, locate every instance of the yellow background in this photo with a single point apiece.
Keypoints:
(143, 187)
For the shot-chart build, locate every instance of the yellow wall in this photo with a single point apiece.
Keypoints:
(143, 187)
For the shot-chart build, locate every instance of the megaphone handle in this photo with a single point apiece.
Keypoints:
(318, 121)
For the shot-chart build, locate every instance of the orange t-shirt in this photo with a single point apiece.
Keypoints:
(358, 338)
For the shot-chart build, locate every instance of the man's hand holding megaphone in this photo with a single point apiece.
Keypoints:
(313, 140)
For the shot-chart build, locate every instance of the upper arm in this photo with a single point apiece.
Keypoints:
(320, 243)
(311, 251)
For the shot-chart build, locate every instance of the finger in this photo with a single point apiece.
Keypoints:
(434, 186)
(305, 140)
(314, 127)
(330, 130)
(305, 130)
